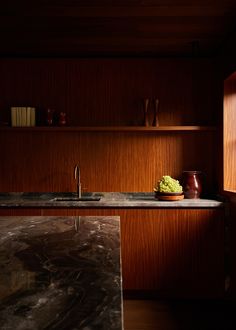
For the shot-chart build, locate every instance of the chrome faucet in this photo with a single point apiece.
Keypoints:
(77, 176)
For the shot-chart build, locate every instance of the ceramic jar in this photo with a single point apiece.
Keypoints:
(192, 184)
(49, 117)
(62, 119)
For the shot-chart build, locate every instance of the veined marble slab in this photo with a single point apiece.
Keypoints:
(107, 200)
(60, 273)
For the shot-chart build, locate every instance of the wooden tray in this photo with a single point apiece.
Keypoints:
(170, 197)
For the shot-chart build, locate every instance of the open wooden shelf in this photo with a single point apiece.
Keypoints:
(112, 128)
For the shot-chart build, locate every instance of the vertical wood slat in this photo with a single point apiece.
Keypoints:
(44, 161)
(111, 91)
(107, 91)
(229, 143)
(177, 253)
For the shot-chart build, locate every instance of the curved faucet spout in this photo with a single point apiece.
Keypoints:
(77, 177)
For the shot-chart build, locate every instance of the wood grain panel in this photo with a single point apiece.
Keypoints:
(110, 92)
(177, 253)
(120, 161)
(229, 143)
(107, 92)
(170, 252)
(98, 92)
(19, 212)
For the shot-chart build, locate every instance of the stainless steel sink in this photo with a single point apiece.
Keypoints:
(141, 196)
(77, 199)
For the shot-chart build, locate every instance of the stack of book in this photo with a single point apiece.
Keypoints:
(22, 116)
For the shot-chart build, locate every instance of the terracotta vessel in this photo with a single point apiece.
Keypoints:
(192, 184)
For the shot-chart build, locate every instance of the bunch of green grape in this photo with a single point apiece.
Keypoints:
(168, 184)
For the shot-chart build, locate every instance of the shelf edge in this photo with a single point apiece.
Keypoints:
(110, 128)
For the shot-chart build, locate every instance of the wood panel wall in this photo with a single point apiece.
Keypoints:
(107, 91)
(229, 142)
(110, 91)
(44, 161)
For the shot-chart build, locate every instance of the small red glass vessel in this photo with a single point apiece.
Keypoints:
(192, 184)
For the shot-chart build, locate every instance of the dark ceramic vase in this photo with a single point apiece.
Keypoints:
(192, 184)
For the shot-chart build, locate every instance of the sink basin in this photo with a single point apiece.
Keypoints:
(77, 199)
(142, 196)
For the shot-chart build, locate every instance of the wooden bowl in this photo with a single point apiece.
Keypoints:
(169, 196)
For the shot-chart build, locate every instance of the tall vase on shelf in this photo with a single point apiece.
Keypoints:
(192, 184)
(156, 120)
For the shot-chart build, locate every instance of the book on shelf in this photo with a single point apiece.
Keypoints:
(22, 116)
(13, 116)
(28, 116)
(32, 116)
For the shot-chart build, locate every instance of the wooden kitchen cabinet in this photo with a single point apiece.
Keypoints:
(175, 252)
(169, 252)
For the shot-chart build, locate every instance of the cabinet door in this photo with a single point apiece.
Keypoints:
(170, 252)
(19, 212)
(174, 252)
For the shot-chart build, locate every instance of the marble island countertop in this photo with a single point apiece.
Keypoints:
(60, 273)
(107, 200)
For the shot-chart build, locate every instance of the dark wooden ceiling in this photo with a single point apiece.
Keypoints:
(119, 28)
